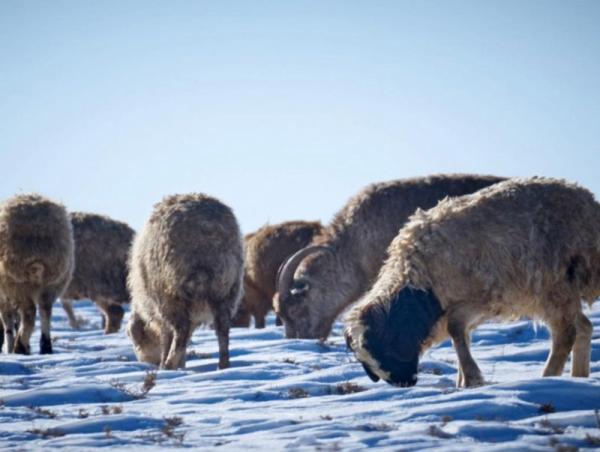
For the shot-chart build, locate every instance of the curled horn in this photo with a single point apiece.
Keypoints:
(285, 275)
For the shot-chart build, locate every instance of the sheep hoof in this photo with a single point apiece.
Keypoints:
(223, 364)
(21, 349)
(77, 323)
(45, 345)
(474, 382)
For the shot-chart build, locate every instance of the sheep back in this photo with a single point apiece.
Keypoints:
(101, 252)
(36, 244)
(188, 254)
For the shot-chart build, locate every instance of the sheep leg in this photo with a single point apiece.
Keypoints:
(8, 337)
(469, 374)
(222, 321)
(580, 366)
(113, 315)
(45, 305)
(563, 337)
(259, 321)
(460, 376)
(278, 321)
(26, 325)
(67, 305)
(241, 318)
(181, 336)
(261, 311)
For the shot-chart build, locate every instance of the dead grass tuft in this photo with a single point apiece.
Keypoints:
(171, 423)
(43, 412)
(347, 387)
(545, 423)
(47, 432)
(547, 408)
(148, 383)
(437, 432)
(297, 393)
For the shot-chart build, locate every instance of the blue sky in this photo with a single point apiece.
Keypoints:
(284, 109)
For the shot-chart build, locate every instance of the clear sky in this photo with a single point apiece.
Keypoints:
(284, 109)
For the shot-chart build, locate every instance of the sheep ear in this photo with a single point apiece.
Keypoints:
(374, 378)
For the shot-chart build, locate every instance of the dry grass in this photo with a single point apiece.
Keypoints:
(147, 384)
(108, 410)
(345, 388)
(171, 423)
(446, 419)
(297, 393)
(547, 408)
(47, 432)
(592, 440)
(43, 412)
(378, 427)
(545, 423)
(437, 432)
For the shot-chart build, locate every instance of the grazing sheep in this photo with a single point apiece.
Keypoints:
(265, 251)
(186, 269)
(528, 247)
(318, 282)
(101, 251)
(36, 263)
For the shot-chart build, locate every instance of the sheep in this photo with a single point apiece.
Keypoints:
(101, 251)
(524, 247)
(265, 251)
(185, 270)
(36, 264)
(318, 282)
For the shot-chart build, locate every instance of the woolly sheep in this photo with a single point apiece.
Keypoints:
(36, 263)
(527, 247)
(101, 251)
(265, 251)
(320, 281)
(186, 269)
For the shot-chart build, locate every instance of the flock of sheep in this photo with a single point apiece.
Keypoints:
(420, 259)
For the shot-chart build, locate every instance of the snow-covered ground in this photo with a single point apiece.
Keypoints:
(291, 394)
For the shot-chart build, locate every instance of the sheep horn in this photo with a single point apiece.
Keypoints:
(285, 275)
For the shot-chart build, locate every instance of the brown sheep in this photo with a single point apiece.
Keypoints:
(36, 263)
(185, 270)
(101, 250)
(318, 282)
(527, 247)
(265, 251)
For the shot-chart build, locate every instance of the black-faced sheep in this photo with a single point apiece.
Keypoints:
(186, 269)
(528, 247)
(101, 251)
(265, 251)
(36, 263)
(318, 282)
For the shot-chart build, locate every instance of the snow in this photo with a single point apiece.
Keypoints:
(282, 393)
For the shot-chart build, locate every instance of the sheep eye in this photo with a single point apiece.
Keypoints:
(299, 287)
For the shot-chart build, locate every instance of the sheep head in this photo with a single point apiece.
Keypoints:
(306, 287)
(388, 337)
